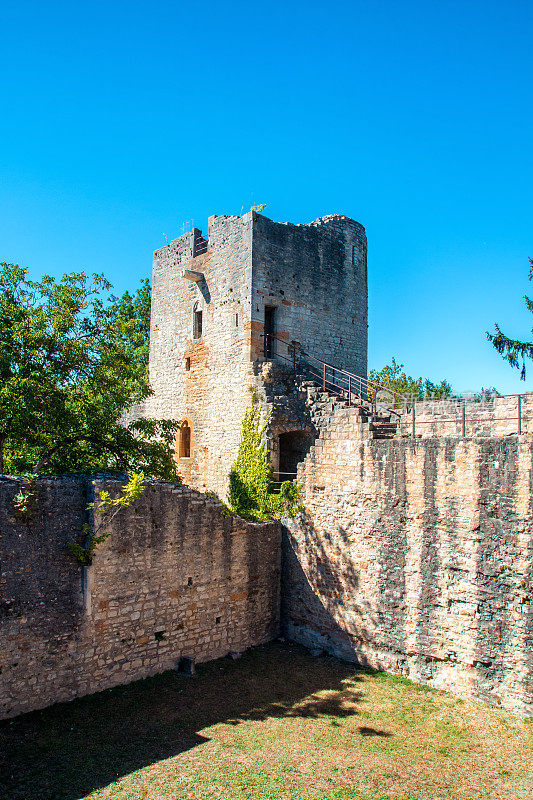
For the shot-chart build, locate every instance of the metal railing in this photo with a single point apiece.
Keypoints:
(357, 390)
(376, 400)
(281, 477)
(200, 247)
(463, 417)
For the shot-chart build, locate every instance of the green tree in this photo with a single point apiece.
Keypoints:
(513, 350)
(394, 378)
(68, 371)
(136, 307)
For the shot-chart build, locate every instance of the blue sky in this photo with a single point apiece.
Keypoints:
(121, 121)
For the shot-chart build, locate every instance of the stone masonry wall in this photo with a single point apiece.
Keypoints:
(175, 579)
(316, 278)
(417, 557)
(213, 392)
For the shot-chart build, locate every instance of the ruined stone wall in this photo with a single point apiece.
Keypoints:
(204, 381)
(493, 416)
(175, 579)
(316, 278)
(417, 557)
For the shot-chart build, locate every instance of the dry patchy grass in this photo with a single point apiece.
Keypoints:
(276, 724)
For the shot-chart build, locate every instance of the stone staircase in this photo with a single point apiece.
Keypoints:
(326, 407)
(383, 427)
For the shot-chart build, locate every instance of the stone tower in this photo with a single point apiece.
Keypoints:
(212, 302)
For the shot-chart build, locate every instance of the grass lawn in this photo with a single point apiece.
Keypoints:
(276, 723)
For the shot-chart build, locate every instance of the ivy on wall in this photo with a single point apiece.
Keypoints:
(251, 478)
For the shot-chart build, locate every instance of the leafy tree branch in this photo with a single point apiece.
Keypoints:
(105, 508)
(513, 350)
(72, 361)
(393, 377)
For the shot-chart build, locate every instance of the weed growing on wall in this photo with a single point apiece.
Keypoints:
(223, 508)
(107, 508)
(25, 501)
(250, 480)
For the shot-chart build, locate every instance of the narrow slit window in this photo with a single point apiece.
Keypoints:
(187, 364)
(270, 330)
(197, 322)
(236, 320)
(184, 442)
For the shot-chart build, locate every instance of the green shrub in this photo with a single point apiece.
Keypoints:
(251, 478)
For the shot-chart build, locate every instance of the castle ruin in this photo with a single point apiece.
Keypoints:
(224, 306)
(414, 549)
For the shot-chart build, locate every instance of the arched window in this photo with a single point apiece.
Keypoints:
(184, 440)
(197, 321)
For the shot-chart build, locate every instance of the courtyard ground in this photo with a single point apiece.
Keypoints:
(276, 723)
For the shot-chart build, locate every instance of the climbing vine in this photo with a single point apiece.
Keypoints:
(251, 479)
(107, 507)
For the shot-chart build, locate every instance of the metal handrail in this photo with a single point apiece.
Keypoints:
(364, 383)
(276, 482)
(351, 385)
(335, 378)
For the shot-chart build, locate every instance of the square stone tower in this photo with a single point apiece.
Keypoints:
(214, 299)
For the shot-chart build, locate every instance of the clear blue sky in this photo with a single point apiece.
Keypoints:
(121, 121)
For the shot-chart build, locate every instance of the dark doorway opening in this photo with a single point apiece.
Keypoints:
(270, 330)
(293, 448)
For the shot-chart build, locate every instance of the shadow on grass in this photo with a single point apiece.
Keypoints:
(364, 730)
(67, 751)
